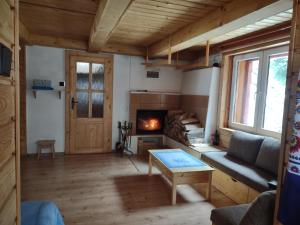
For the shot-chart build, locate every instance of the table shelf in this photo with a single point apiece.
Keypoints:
(35, 91)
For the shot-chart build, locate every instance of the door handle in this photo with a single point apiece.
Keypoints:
(73, 102)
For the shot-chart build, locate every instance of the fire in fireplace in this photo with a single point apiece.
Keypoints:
(150, 121)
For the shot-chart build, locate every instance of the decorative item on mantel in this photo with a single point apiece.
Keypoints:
(43, 85)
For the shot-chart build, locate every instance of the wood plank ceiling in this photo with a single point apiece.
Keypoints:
(143, 23)
(64, 19)
(148, 21)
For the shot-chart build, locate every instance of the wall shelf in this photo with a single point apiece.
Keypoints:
(35, 91)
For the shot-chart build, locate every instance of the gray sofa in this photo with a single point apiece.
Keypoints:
(250, 159)
(259, 212)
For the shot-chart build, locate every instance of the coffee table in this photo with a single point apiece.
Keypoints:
(181, 168)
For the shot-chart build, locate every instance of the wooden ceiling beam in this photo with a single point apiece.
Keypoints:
(44, 40)
(108, 16)
(24, 32)
(232, 16)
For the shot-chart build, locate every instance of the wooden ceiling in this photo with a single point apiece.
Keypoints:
(259, 25)
(125, 26)
(148, 21)
(59, 18)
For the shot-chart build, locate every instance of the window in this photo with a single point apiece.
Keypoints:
(258, 91)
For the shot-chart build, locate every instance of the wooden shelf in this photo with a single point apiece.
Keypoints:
(157, 64)
(34, 92)
(192, 66)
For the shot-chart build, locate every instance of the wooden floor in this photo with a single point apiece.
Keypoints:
(107, 189)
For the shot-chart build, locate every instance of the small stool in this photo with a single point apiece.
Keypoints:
(45, 144)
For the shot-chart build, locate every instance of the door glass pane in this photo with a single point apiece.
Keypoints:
(82, 71)
(275, 92)
(98, 76)
(97, 105)
(245, 92)
(82, 105)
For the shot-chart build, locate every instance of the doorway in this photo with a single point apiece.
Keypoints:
(89, 79)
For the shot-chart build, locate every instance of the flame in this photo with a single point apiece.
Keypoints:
(150, 124)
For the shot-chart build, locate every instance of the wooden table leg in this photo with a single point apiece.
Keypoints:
(174, 193)
(150, 165)
(208, 193)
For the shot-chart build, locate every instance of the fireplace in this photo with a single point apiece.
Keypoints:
(150, 121)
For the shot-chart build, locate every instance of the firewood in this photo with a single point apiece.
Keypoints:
(189, 121)
(183, 127)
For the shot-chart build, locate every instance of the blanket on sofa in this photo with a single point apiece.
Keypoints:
(40, 213)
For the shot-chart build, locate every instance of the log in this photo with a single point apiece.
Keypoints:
(184, 127)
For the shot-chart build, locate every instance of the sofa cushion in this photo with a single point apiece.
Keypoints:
(261, 210)
(268, 156)
(245, 146)
(244, 172)
(231, 215)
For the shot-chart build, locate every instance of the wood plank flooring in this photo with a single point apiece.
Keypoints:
(107, 189)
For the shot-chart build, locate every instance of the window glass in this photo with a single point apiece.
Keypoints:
(82, 105)
(275, 92)
(97, 105)
(258, 91)
(98, 76)
(245, 92)
(82, 71)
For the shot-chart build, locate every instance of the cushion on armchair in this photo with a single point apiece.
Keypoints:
(261, 210)
(231, 215)
(268, 156)
(245, 146)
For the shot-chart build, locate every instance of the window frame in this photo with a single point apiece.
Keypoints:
(261, 92)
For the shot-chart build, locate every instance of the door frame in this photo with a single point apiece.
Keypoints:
(108, 98)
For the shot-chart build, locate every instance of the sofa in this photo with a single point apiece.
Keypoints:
(259, 212)
(250, 159)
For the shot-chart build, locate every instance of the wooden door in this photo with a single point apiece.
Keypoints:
(89, 103)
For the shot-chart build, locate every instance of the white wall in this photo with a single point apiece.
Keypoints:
(196, 82)
(204, 82)
(169, 78)
(121, 84)
(45, 115)
(212, 109)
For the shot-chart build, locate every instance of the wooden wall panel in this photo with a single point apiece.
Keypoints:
(7, 180)
(6, 24)
(7, 142)
(9, 210)
(9, 118)
(225, 136)
(6, 103)
(195, 104)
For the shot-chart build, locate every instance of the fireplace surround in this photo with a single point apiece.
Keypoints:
(150, 121)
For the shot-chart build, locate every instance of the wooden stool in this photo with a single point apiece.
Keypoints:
(45, 144)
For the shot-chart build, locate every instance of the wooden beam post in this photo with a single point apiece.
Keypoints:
(108, 17)
(207, 54)
(234, 15)
(147, 55)
(170, 52)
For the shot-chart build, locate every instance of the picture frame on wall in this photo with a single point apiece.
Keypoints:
(5, 60)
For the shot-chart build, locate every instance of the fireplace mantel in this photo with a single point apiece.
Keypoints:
(154, 92)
